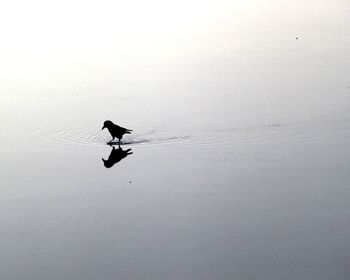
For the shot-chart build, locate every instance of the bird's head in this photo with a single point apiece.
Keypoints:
(107, 124)
(107, 163)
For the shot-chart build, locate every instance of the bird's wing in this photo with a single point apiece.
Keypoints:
(125, 129)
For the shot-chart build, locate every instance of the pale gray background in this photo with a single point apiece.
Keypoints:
(241, 140)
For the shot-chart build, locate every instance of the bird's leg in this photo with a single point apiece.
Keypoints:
(119, 143)
(110, 142)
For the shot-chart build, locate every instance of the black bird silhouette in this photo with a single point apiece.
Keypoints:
(115, 156)
(115, 130)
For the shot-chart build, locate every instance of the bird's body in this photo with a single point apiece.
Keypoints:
(115, 130)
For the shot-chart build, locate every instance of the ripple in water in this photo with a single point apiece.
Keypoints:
(84, 136)
(156, 140)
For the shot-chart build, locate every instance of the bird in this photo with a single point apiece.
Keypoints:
(115, 130)
(115, 156)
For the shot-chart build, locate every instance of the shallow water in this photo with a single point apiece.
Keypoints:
(240, 152)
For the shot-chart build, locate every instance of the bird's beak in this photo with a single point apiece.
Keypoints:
(103, 127)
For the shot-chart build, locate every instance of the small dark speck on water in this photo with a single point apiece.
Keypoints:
(296, 38)
(130, 182)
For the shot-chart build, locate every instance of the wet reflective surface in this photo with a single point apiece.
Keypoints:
(237, 166)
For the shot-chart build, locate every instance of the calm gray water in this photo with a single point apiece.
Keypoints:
(241, 125)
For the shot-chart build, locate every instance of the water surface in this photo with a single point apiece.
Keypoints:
(240, 153)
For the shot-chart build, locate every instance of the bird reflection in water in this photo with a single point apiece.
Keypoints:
(115, 156)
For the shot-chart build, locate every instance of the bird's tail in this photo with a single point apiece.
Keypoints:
(128, 131)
